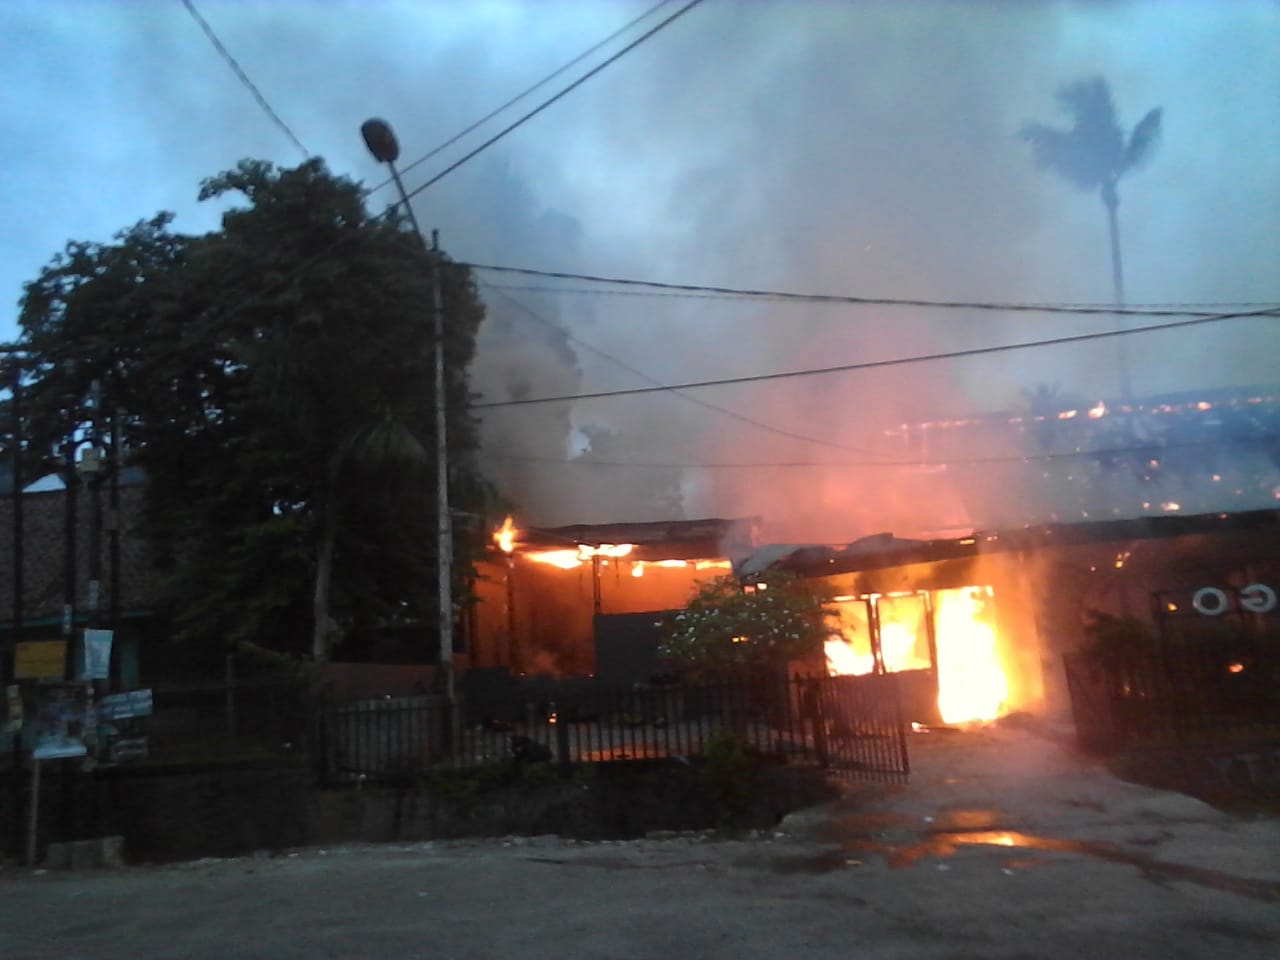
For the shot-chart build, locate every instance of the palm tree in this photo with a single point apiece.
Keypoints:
(1094, 154)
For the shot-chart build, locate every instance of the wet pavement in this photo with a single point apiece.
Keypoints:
(1005, 844)
(1027, 799)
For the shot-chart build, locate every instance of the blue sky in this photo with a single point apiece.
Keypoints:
(863, 148)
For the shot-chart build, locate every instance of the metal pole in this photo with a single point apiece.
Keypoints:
(16, 371)
(444, 530)
(69, 545)
(33, 813)
(114, 525)
(93, 471)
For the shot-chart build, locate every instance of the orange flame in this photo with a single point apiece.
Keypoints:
(505, 535)
(971, 680)
(568, 559)
(971, 683)
(843, 660)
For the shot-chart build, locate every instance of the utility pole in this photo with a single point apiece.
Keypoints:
(382, 143)
(114, 519)
(91, 465)
(15, 455)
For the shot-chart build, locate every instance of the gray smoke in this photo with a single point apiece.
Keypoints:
(865, 148)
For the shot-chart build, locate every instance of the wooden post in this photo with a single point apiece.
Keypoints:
(33, 813)
(563, 759)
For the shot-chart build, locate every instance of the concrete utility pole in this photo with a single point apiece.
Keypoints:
(15, 456)
(382, 143)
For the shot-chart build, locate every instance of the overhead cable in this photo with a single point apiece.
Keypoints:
(716, 408)
(894, 362)
(553, 99)
(1204, 308)
(520, 96)
(244, 77)
(745, 293)
(1151, 450)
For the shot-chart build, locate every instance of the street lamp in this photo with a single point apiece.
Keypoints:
(381, 141)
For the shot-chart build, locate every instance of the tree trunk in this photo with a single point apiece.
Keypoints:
(1111, 200)
(324, 572)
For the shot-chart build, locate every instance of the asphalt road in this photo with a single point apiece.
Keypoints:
(1004, 844)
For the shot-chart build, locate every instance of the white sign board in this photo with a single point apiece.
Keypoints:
(97, 655)
(121, 706)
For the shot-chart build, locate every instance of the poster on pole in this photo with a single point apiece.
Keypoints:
(97, 655)
(13, 708)
(58, 727)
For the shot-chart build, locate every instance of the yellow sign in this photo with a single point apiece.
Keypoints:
(40, 660)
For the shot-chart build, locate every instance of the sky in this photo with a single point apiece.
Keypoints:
(860, 148)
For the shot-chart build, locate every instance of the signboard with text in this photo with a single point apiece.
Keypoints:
(40, 660)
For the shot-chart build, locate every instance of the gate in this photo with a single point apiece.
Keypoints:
(856, 725)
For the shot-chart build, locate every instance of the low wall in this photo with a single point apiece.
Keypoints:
(232, 811)
(1227, 774)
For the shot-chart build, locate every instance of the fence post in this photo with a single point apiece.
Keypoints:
(811, 707)
(320, 737)
(564, 760)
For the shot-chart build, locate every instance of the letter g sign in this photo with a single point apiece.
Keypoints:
(1258, 598)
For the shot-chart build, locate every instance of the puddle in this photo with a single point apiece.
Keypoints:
(943, 844)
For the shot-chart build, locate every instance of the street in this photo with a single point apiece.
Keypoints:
(1004, 844)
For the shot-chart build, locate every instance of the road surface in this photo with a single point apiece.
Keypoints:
(1004, 845)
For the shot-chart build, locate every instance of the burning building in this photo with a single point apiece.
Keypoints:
(975, 626)
(580, 600)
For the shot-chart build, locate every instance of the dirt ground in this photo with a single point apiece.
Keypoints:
(1004, 844)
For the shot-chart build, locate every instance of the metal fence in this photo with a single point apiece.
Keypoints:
(850, 725)
(1182, 694)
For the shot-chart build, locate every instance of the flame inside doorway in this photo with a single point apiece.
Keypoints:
(971, 681)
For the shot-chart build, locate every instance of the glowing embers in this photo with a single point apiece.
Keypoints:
(971, 681)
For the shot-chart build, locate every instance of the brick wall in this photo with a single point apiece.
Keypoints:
(44, 520)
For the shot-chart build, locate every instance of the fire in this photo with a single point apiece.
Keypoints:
(971, 683)
(899, 648)
(505, 535)
(564, 559)
(843, 660)
(568, 559)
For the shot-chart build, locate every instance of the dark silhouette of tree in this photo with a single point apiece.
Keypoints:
(1093, 155)
(274, 383)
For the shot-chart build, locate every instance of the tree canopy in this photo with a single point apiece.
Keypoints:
(725, 628)
(274, 380)
(1095, 152)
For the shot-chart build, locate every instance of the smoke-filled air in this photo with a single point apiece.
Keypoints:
(968, 152)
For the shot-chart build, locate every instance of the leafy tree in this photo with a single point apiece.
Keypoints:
(725, 628)
(275, 382)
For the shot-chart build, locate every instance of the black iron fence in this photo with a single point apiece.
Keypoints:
(249, 720)
(1179, 695)
(850, 725)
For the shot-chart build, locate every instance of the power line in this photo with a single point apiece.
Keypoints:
(389, 212)
(783, 295)
(725, 411)
(897, 361)
(548, 102)
(1154, 450)
(244, 77)
(520, 96)
(1174, 308)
